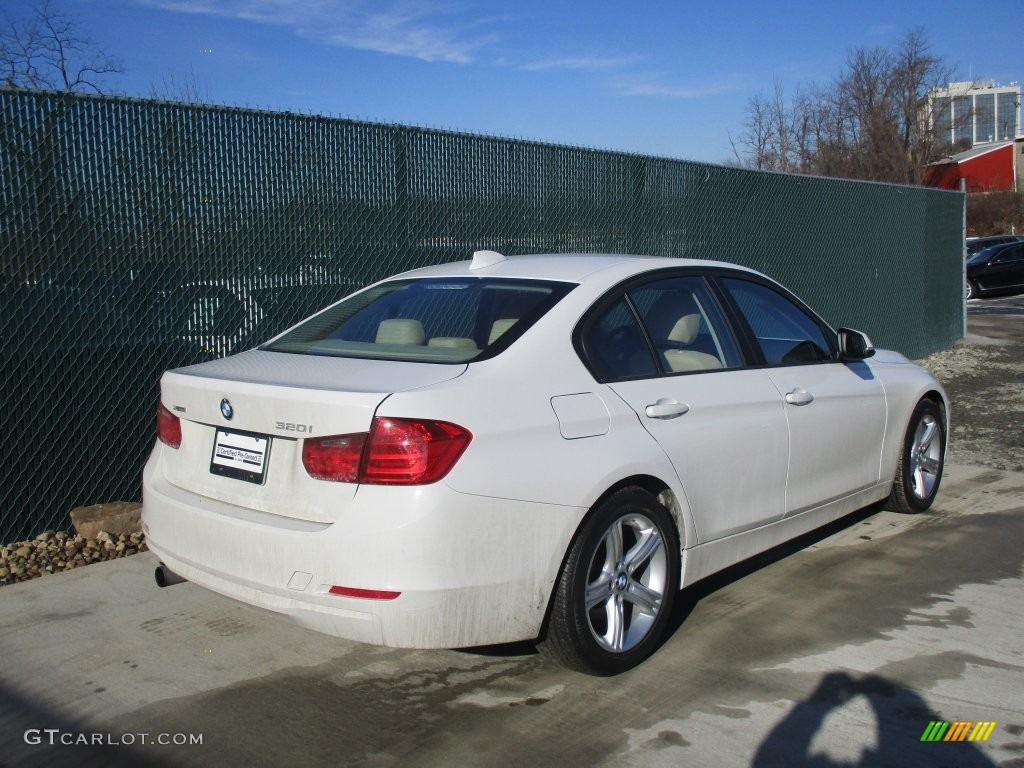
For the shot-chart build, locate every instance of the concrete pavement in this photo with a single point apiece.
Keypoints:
(837, 650)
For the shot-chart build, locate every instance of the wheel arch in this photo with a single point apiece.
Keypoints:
(939, 398)
(659, 489)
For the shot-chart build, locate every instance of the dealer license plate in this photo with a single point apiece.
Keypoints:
(240, 455)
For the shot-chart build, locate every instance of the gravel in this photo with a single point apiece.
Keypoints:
(985, 384)
(54, 551)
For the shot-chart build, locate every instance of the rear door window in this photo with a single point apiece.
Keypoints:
(658, 327)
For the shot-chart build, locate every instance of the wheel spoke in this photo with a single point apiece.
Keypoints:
(929, 465)
(642, 551)
(925, 440)
(919, 483)
(613, 546)
(598, 591)
(644, 598)
(616, 633)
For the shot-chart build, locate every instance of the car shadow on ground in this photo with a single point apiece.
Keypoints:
(688, 599)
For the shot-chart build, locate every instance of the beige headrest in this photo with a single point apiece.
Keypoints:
(400, 331)
(685, 329)
(687, 360)
(499, 327)
(452, 342)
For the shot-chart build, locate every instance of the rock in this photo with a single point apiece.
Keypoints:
(115, 518)
(45, 536)
(23, 551)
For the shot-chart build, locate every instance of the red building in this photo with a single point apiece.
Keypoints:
(993, 167)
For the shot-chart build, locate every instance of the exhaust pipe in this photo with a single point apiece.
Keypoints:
(165, 577)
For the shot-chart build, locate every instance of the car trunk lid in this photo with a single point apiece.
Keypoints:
(244, 419)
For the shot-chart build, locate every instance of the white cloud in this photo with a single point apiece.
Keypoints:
(650, 87)
(418, 30)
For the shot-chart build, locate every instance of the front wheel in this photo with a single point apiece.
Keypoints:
(920, 467)
(972, 290)
(615, 593)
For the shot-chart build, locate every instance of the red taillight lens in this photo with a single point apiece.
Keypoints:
(168, 427)
(394, 452)
(334, 458)
(412, 452)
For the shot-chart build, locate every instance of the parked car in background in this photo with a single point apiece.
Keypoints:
(529, 448)
(975, 244)
(996, 270)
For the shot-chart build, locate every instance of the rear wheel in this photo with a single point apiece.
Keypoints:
(613, 598)
(920, 467)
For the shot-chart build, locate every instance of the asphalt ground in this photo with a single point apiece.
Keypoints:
(839, 649)
(1000, 319)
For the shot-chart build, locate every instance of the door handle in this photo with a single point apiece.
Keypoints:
(799, 397)
(666, 408)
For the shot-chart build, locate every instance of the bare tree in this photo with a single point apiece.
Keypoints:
(917, 72)
(187, 88)
(754, 147)
(869, 123)
(772, 138)
(49, 50)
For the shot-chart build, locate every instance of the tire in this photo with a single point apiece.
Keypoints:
(972, 290)
(919, 471)
(614, 595)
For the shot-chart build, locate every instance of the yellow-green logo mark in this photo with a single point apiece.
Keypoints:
(958, 730)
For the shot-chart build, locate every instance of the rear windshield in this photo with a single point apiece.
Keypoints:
(437, 320)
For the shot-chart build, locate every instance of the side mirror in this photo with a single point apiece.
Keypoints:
(854, 345)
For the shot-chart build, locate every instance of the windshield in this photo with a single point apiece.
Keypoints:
(437, 320)
(983, 255)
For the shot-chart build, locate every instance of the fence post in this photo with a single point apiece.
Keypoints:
(638, 188)
(401, 215)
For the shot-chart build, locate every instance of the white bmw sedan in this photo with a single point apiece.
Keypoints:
(529, 448)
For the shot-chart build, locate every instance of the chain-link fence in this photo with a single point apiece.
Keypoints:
(139, 236)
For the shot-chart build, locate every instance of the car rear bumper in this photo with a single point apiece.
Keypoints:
(470, 570)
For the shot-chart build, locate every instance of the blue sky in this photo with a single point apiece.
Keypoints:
(662, 78)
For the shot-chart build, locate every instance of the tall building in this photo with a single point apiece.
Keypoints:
(970, 113)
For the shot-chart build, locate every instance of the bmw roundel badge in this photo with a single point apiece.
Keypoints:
(226, 410)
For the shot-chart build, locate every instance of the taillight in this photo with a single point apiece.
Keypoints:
(334, 458)
(394, 452)
(410, 452)
(168, 427)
